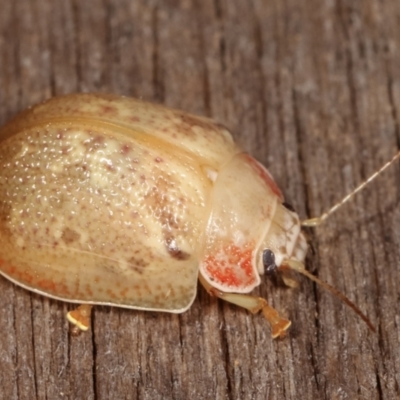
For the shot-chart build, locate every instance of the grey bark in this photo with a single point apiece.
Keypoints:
(310, 88)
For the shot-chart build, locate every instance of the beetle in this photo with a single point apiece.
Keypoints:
(115, 201)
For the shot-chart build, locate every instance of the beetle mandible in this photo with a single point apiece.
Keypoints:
(115, 201)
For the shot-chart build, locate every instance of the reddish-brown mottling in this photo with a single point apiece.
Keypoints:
(26, 277)
(89, 291)
(47, 285)
(108, 110)
(12, 270)
(147, 289)
(264, 175)
(62, 289)
(9, 269)
(231, 266)
(77, 180)
(112, 294)
(125, 149)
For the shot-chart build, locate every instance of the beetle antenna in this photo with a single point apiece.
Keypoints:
(318, 220)
(297, 266)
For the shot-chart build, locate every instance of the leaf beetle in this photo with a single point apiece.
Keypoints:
(115, 201)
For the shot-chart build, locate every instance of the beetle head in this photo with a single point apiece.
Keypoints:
(283, 240)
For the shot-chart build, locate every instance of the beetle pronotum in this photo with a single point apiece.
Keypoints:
(115, 201)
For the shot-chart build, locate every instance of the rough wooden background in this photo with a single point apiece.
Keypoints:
(312, 89)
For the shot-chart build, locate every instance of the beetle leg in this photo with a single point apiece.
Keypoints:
(254, 304)
(80, 318)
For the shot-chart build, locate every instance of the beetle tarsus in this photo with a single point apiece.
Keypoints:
(80, 318)
(279, 325)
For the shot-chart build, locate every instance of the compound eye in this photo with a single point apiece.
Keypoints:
(288, 206)
(269, 261)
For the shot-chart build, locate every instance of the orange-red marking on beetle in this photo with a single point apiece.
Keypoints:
(231, 265)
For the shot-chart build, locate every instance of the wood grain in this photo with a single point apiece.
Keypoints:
(312, 89)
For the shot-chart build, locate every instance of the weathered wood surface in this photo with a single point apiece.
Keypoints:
(312, 89)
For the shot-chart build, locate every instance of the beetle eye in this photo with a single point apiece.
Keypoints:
(269, 261)
(288, 206)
